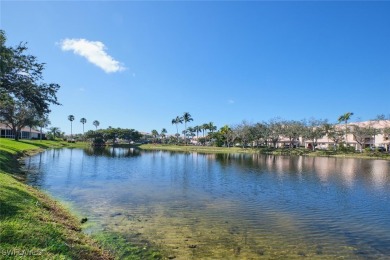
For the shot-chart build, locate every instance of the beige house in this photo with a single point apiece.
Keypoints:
(379, 140)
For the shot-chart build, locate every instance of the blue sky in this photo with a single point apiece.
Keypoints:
(222, 61)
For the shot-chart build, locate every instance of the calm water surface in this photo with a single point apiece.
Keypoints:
(227, 205)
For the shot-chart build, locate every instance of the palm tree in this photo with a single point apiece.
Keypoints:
(344, 118)
(197, 129)
(205, 127)
(187, 118)
(83, 121)
(212, 127)
(96, 123)
(43, 122)
(328, 128)
(177, 120)
(71, 118)
(163, 133)
(55, 131)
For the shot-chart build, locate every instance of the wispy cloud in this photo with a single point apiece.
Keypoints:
(94, 52)
(230, 101)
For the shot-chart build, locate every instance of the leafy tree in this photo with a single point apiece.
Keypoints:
(243, 133)
(292, 130)
(71, 119)
(314, 131)
(96, 124)
(361, 135)
(228, 135)
(22, 90)
(129, 135)
(154, 134)
(83, 121)
(16, 115)
(344, 118)
(336, 135)
(275, 130)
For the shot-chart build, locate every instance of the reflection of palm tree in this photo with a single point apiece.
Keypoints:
(344, 118)
(83, 121)
(187, 118)
(96, 123)
(177, 120)
(71, 118)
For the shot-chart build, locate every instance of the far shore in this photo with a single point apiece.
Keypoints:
(268, 151)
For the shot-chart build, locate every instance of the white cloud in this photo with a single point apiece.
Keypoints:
(231, 101)
(94, 52)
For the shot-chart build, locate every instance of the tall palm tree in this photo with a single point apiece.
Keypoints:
(344, 118)
(96, 123)
(177, 120)
(212, 127)
(186, 118)
(204, 128)
(71, 118)
(83, 121)
(197, 129)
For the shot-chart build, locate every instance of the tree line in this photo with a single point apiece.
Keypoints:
(270, 133)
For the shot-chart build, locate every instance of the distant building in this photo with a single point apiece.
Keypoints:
(25, 133)
(379, 140)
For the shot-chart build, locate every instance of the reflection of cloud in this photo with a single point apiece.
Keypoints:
(231, 101)
(94, 52)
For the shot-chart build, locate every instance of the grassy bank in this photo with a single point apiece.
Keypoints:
(270, 151)
(33, 225)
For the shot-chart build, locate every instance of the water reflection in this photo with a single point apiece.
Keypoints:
(112, 152)
(227, 205)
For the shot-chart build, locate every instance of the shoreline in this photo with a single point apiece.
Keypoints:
(267, 151)
(34, 224)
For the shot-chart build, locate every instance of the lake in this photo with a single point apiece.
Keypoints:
(235, 206)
